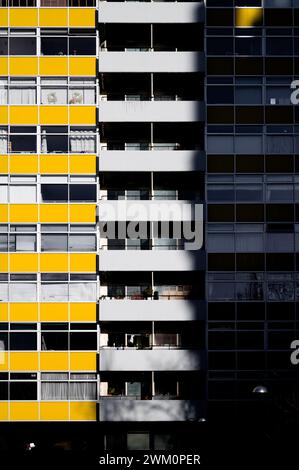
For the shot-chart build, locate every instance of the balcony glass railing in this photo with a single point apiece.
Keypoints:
(147, 292)
(172, 244)
(147, 146)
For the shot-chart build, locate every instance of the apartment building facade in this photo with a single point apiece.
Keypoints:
(102, 311)
(123, 125)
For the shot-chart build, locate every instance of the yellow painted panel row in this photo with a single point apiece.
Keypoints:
(44, 66)
(48, 164)
(49, 213)
(47, 17)
(248, 17)
(61, 312)
(23, 312)
(47, 411)
(48, 361)
(3, 312)
(47, 262)
(22, 115)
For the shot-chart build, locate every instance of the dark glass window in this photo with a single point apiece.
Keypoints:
(23, 341)
(23, 391)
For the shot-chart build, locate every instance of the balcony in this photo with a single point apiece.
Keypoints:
(122, 12)
(151, 111)
(151, 61)
(126, 409)
(148, 260)
(149, 210)
(147, 160)
(160, 359)
(151, 310)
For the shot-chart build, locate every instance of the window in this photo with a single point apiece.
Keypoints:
(23, 391)
(54, 242)
(22, 292)
(82, 243)
(22, 194)
(22, 341)
(22, 243)
(248, 95)
(53, 91)
(22, 91)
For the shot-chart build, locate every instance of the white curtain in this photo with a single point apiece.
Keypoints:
(3, 95)
(22, 291)
(54, 292)
(83, 390)
(82, 142)
(22, 96)
(65, 391)
(54, 390)
(3, 141)
(3, 292)
(83, 292)
(19, 193)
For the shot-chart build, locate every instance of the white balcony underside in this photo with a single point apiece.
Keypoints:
(146, 61)
(151, 360)
(150, 260)
(125, 12)
(151, 111)
(151, 310)
(149, 210)
(111, 409)
(151, 160)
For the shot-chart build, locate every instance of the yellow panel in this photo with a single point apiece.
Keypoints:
(3, 263)
(85, 66)
(249, 16)
(3, 212)
(3, 312)
(83, 164)
(53, 114)
(52, 311)
(83, 411)
(53, 164)
(83, 17)
(23, 262)
(23, 66)
(23, 213)
(4, 164)
(49, 17)
(54, 411)
(3, 411)
(83, 312)
(84, 361)
(54, 361)
(23, 164)
(83, 115)
(23, 411)
(3, 64)
(3, 114)
(82, 262)
(23, 115)
(82, 213)
(23, 17)
(48, 64)
(3, 17)
(23, 361)
(53, 262)
(3, 360)
(22, 312)
(53, 213)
